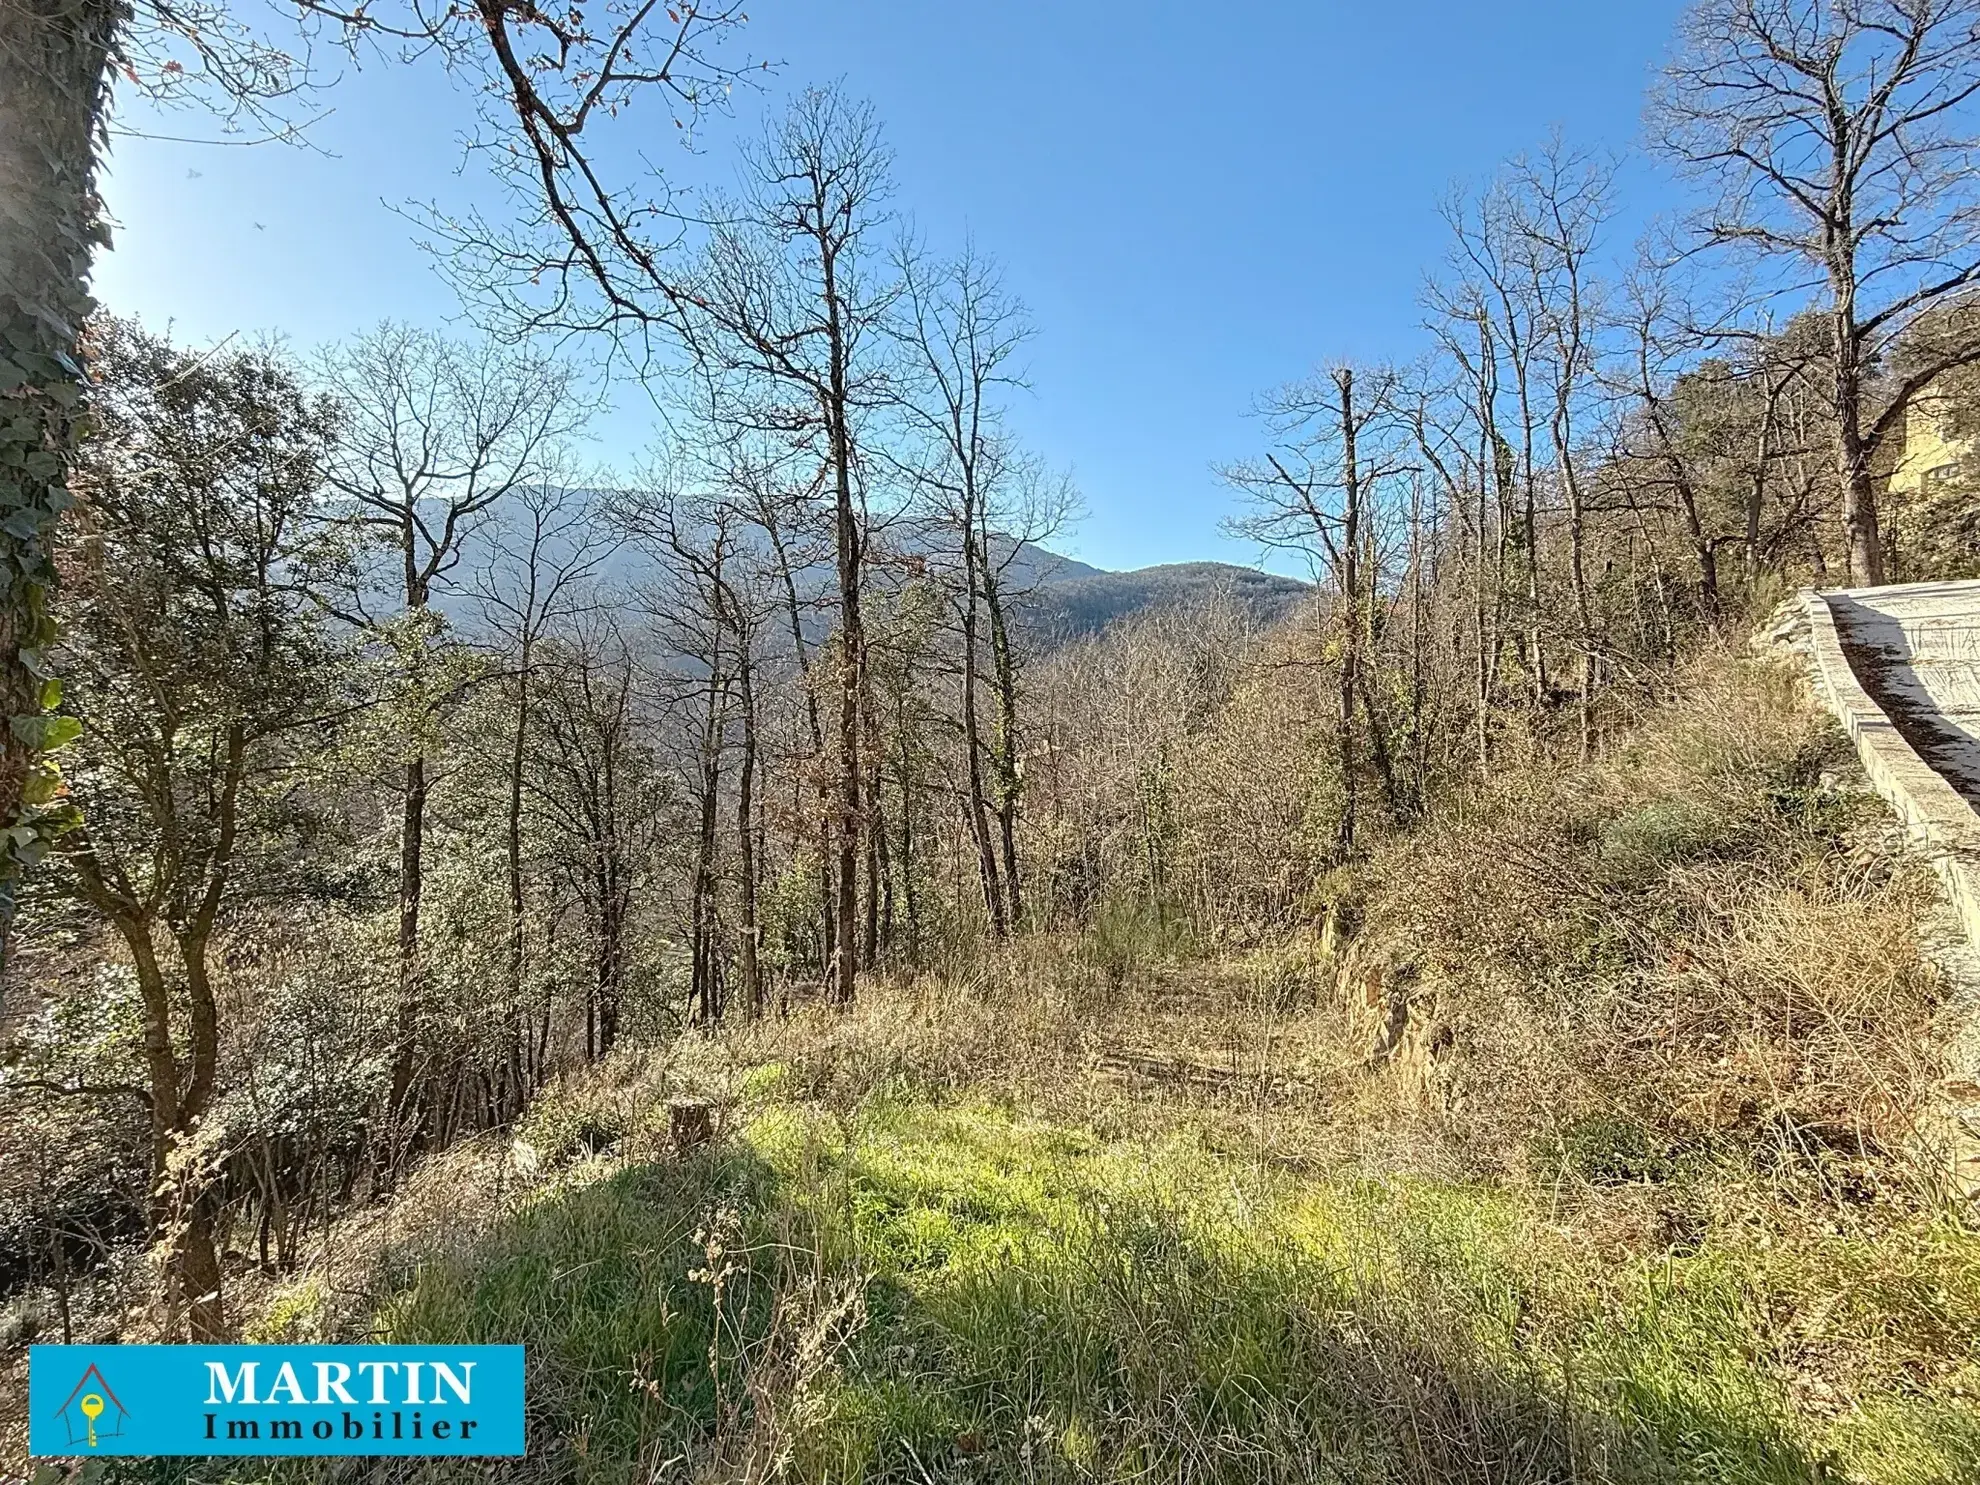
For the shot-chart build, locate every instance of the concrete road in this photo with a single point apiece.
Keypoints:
(1900, 668)
(1915, 649)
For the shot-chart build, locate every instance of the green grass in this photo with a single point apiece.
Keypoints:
(913, 1292)
(912, 1285)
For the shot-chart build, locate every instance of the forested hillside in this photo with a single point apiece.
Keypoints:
(862, 998)
(1089, 602)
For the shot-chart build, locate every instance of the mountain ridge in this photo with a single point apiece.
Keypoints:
(1058, 599)
(1074, 605)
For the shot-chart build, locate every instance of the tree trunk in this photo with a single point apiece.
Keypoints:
(1379, 749)
(179, 1094)
(54, 90)
(609, 955)
(160, 1060)
(194, 1258)
(1350, 608)
(405, 1055)
(852, 649)
(752, 931)
(194, 1252)
(1863, 541)
(704, 998)
(1419, 553)
(1486, 631)
(613, 895)
(905, 855)
(1536, 644)
(1489, 485)
(827, 908)
(407, 1120)
(879, 922)
(516, 1093)
(1010, 776)
(879, 868)
(978, 809)
(1584, 614)
(197, 1261)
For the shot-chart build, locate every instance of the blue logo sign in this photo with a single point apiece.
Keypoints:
(85, 1400)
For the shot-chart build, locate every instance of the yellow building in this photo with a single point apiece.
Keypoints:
(1930, 455)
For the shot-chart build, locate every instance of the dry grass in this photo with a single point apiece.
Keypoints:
(1593, 1159)
(875, 1277)
(1702, 940)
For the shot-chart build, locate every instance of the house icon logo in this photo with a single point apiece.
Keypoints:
(92, 1410)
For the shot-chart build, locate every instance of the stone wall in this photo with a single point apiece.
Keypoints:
(1900, 668)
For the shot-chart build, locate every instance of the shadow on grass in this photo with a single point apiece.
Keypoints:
(699, 1320)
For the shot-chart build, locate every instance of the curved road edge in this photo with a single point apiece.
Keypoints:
(1935, 812)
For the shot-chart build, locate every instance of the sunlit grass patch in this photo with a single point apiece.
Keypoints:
(910, 1291)
(1106, 1286)
(1900, 1439)
(599, 1284)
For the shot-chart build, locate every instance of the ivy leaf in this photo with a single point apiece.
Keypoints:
(47, 734)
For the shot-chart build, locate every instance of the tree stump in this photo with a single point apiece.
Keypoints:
(690, 1122)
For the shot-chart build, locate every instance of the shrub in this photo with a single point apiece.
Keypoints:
(1683, 940)
(1131, 935)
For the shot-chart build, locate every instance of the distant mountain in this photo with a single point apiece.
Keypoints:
(1027, 565)
(1063, 599)
(1081, 600)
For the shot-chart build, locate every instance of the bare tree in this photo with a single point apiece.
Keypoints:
(1490, 293)
(1316, 493)
(436, 433)
(1022, 505)
(1715, 436)
(1560, 202)
(962, 330)
(1837, 138)
(598, 785)
(1454, 419)
(540, 570)
(704, 636)
(785, 313)
(776, 483)
(1658, 342)
(553, 80)
(747, 594)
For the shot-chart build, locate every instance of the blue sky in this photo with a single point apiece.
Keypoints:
(1198, 202)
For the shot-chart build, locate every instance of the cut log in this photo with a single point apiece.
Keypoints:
(690, 1122)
